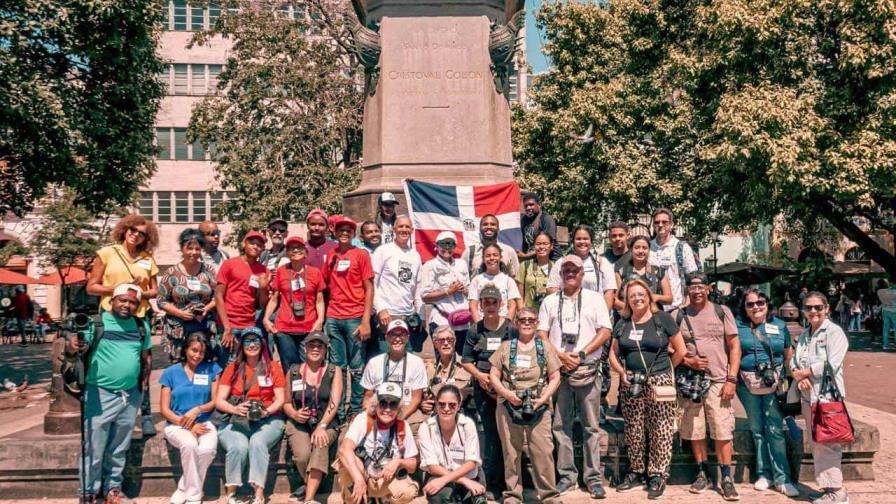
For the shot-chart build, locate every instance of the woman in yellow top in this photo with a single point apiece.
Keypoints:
(129, 260)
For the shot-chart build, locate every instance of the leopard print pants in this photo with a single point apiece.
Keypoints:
(648, 421)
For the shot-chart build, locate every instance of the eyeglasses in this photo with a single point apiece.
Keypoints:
(446, 244)
(527, 320)
(814, 307)
(212, 233)
(445, 341)
(662, 222)
(384, 404)
(755, 304)
(275, 230)
(697, 287)
(251, 342)
(141, 234)
(446, 405)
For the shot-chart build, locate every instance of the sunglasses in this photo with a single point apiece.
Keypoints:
(384, 404)
(274, 230)
(446, 244)
(755, 304)
(661, 222)
(445, 341)
(447, 405)
(213, 233)
(527, 320)
(814, 307)
(251, 342)
(141, 234)
(697, 287)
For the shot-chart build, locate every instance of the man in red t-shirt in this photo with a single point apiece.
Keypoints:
(317, 244)
(349, 277)
(298, 299)
(242, 287)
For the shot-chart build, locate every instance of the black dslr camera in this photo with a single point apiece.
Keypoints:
(256, 410)
(570, 338)
(527, 410)
(312, 420)
(766, 373)
(692, 384)
(637, 381)
(197, 309)
(298, 309)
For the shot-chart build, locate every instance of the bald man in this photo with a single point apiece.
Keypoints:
(212, 256)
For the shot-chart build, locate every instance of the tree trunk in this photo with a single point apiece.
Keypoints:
(845, 225)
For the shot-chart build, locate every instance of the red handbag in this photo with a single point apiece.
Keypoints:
(831, 423)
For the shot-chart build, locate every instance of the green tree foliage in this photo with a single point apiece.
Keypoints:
(78, 96)
(285, 127)
(729, 112)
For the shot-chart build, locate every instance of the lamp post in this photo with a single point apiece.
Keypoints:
(715, 256)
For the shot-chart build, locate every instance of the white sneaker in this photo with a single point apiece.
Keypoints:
(788, 489)
(762, 484)
(178, 497)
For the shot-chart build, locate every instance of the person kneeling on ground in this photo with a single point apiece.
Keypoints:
(449, 453)
(378, 453)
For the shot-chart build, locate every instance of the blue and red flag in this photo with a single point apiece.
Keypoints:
(434, 208)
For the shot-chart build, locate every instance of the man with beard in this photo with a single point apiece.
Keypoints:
(533, 221)
(212, 256)
(488, 234)
(275, 256)
(370, 238)
(317, 243)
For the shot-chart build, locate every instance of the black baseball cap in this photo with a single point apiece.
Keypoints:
(691, 278)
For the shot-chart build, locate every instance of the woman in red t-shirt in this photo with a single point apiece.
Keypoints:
(299, 302)
(256, 423)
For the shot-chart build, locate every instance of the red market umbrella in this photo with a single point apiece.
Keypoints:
(72, 274)
(8, 277)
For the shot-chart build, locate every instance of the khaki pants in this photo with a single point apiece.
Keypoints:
(538, 442)
(713, 410)
(305, 456)
(397, 491)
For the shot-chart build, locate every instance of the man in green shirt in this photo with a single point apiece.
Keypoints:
(118, 365)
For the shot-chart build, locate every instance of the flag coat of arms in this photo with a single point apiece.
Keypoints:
(434, 208)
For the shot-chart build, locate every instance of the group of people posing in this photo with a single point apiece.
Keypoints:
(519, 339)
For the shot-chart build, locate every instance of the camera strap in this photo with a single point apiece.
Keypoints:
(320, 374)
(388, 372)
(640, 353)
(762, 336)
(292, 277)
(439, 369)
(246, 387)
(460, 437)
(577, 312)
(539, 357)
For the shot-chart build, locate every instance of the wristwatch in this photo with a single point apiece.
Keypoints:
(582, 354)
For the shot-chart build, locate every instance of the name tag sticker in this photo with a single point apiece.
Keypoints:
(406, 396)
(297, 284)
(343, 265)
(524, 361)
(200, 379)
(194, 284)
(145, 264)
(298, 385)
(772, 329)
(265, 381)
(636, 335)
(492, 344)
(253, 281)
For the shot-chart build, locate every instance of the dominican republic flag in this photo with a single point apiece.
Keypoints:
(435, 208)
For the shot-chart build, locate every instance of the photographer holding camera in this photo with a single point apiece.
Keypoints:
(298, 299)
(767, 349)
(576, 322)
(378, 453)
(708, 380)
(118, 364)
(640, 354)
(251, 392)
(314, 390)
(396, 268)
(399, 367)
(525, 374)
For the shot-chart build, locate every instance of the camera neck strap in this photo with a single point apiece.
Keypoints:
(293, 275)
(539, 357)
(320, 374)
(577, 313)
(456, 432)
(388, 372)
(760, 334)
(692, 337)
(648, 370)
(248, 384)
(440, 367)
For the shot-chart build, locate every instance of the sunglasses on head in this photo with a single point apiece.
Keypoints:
(387, 404)
(814, 307)
(755, 304)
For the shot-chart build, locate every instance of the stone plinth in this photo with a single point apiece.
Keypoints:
(435, 114)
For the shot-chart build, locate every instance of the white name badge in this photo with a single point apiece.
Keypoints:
(145, 264)
(492, 344)
(253, 281)
(343, 265)
(194, 284)
(265, 381)
(297, 284)
(406, 396)
(636, 334)
(524, 361)
(298, 385)
(772, 329)
(665, 262)
(200, 379)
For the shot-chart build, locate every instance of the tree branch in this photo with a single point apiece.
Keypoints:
(844, 224)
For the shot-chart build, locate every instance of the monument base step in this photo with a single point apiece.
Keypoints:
(33, 464)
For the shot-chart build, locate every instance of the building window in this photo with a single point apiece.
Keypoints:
(197, 79)
(145, 205)
(198, 152)
(181, 148)
(163, 140)
(213, 72)
(180, 15)
(163, 207)
(180, 79)
(190, 79)
(181, 207)
(214, 12)
(200, 208)
(197, 18)
(216, 200)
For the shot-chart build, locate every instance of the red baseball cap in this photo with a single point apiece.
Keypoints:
(341, 220)
(295, 240)
(317, 212)
(255, 234)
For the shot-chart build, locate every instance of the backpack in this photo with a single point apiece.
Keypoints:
(74, 371)
(397, 429)
(715, 308)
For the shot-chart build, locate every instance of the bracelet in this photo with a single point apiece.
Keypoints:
(731, 379)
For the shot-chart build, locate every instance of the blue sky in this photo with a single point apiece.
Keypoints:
(534, 40)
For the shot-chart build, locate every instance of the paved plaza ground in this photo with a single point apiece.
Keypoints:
(870, 382)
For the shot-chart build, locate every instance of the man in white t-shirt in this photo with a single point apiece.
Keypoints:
(396, 269)
(378, 453)
(672, 254)
(396, 366)
(598, 275)
(488, 233)
(577, 323)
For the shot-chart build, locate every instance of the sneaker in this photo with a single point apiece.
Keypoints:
(89, 498)
(631, 482)
(788, 489)
(149, 428)
(729, 493)
(833, 497)
(700, 484)
(178, 497)
(564, 488)
(597, 490)
(655, 487)
(257, 500)
(762, 484)
(231, 499)
(115, 496)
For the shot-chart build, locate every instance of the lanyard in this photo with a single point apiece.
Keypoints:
(578, 312)
(439, 368)
(320, 373)
(292, 277)
(387, 373)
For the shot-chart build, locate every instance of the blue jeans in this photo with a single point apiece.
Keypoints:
(349, 353)
(889, 325)
(291, 347)
(855, 322)
(767, 428)
(253, 446)
(109, 417)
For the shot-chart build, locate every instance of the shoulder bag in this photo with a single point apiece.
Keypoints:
(830, 420)
(659, 393)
